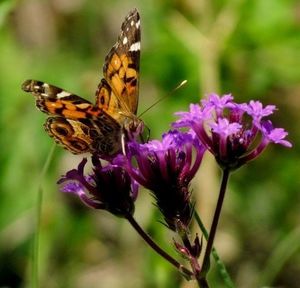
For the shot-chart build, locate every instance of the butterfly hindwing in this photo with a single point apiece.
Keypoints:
(84, 135)
(72, 135)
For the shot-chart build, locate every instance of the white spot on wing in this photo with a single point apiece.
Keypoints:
(83, 105)
(45, 85)
(125, 40)
(63, 94)
(135, 46)
(137, 24)
(132, 23)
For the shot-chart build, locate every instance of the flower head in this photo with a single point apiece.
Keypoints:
(108, 187)
(234, 133)
(166, 168)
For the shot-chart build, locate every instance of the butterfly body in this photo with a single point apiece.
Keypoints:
(100, 128)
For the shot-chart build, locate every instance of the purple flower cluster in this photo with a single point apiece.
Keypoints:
(166, 168)
(234, 133)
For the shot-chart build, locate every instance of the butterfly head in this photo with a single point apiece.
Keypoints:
(133, 128)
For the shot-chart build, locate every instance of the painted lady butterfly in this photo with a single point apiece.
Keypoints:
(101, 128)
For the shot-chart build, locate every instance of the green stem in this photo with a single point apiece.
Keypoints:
(220, 265)
(211, 236)
(36, 240)
(186, 273)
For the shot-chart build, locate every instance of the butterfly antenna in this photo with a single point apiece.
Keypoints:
(163, 98)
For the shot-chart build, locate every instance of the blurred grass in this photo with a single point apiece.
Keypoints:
(64, 42)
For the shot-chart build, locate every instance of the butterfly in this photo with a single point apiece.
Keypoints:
(101, 128)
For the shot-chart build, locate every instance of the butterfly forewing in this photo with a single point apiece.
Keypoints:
(106, 100)
(56, 101)
(121, 68)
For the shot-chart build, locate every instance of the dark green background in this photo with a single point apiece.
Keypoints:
(248, 48)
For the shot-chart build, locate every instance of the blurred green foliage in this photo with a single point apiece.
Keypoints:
(64, 42)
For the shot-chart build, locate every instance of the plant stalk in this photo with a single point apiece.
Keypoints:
(186, 273)
(211, 236)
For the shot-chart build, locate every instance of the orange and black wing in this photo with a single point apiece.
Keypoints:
(56, 101)
(121, 69)
(77, 125)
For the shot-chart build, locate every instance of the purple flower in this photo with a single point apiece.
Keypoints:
(108, 187)
(234, 133)
(166, 168)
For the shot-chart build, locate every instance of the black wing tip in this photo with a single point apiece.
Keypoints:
(133, 12)
(131, 25)
(30, 85)
(132, 15)
(26, 86)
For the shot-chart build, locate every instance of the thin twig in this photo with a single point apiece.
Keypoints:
(187, 273)
(212, 233)
(221, 267)
(36, 240)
